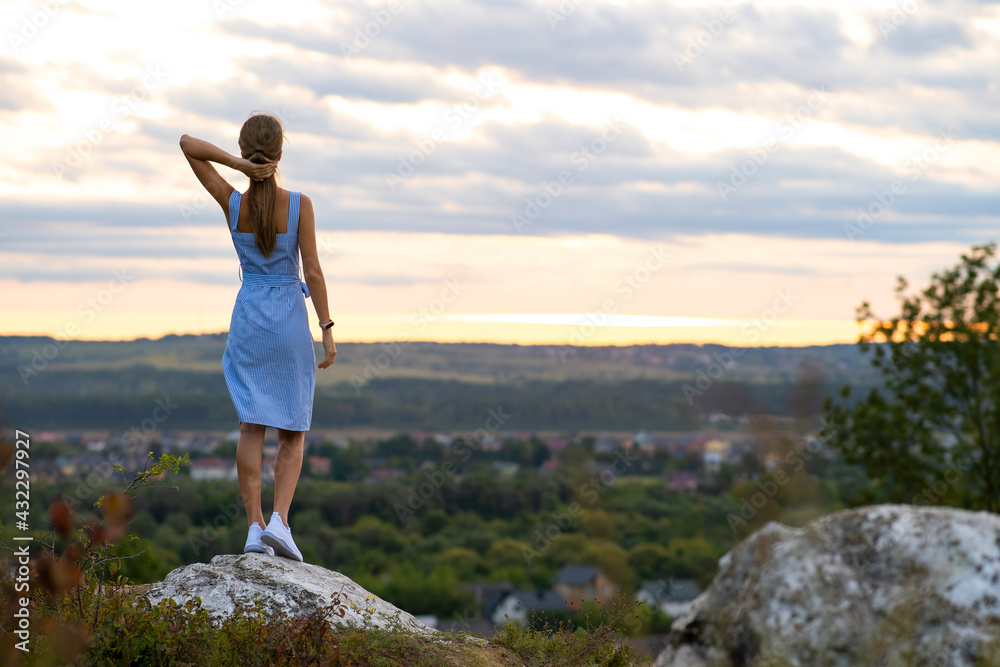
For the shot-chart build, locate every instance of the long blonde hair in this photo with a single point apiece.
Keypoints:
(261, 139)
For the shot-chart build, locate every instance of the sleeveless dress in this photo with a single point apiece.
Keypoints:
(270, 362)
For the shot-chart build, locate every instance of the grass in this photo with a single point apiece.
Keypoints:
(560, 647)
(120, 627)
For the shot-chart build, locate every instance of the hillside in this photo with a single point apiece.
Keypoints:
(95, 384)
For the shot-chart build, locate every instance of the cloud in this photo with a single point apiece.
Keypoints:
(16, 91)
(351, 122)
(918, 37)
(10, 65)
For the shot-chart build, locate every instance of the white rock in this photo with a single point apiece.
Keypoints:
(887, 585)
(284, 586)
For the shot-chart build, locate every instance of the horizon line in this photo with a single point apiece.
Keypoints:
(701, 343)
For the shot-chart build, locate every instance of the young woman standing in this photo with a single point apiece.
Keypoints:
(269, 356)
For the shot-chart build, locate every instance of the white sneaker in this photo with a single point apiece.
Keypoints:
(279, 536)
(254, 545)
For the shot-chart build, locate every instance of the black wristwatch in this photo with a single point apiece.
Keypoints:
(328, 325)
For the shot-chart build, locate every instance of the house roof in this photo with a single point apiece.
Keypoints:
(492, 598)
(540, 600)
(486, 585)
(575, 575)
(490, 593)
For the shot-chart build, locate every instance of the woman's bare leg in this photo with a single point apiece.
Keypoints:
(248, 453)
(287, 466)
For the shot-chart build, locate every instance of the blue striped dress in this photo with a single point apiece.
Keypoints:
(270, 361)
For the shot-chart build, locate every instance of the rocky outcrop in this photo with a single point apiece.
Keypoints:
(886, 585)
(282, 586)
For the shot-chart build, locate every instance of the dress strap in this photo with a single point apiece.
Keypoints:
(293, 212)
(234, 210)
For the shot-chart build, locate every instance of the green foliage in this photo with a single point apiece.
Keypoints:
(933, 435)
(398, 445)
(591, 638)
(140, 559)
(649, 561)
(438, 592)
(465, 563)
(621, 614)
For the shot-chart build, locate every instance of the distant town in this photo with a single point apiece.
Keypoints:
(699, 455)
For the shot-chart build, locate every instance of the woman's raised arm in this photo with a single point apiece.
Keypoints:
(200, 154)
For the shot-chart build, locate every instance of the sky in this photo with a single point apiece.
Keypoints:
(520, 171)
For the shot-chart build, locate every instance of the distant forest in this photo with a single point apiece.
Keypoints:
(52, 384)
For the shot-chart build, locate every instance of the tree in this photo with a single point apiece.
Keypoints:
(933, 435)
(650, 561)
(398, 445)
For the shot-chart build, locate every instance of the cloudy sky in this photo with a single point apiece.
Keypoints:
(588, 171)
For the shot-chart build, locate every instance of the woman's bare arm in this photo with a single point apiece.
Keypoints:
(310, 259)
(200, 154)
(314, 275)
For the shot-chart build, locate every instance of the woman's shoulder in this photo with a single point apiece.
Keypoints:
(304, 201)
(288, 193)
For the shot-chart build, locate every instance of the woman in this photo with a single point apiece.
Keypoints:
(269, 356)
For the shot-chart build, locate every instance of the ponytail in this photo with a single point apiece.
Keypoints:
(262, 197)
(261, 140)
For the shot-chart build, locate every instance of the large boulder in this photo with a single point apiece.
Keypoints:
(283, 586)
(886, 585)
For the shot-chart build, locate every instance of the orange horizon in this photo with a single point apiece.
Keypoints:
(453, 340)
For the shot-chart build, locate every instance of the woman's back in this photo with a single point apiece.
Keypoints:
(284, 259)
(280, 213)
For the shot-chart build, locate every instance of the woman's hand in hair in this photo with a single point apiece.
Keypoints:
(255, 171)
